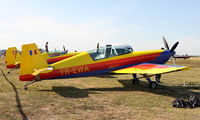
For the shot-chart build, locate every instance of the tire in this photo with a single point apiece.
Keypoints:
(153, 85)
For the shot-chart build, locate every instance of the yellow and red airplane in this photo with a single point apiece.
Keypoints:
(13, 57)
(101, 61)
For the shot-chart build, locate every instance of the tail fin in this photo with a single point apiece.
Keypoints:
(31, 60)
(11, 54)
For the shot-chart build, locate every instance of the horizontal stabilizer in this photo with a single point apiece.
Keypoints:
(42, 70)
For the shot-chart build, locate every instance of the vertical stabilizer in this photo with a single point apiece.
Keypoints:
(31, 60)
(11, 54)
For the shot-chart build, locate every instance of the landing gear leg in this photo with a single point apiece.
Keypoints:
(17, 66)
(135, 80)
(11, 70)
(152, 84)
(158, 76)
(29, 83)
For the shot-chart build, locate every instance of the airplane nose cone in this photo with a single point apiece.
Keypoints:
(173, 53)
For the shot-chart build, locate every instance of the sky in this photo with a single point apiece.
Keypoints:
(81, 24)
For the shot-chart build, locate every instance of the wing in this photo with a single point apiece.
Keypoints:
(148, 68)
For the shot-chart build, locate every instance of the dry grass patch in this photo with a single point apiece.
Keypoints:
(101, 98)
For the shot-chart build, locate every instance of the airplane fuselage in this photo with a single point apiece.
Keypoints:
(82, 65)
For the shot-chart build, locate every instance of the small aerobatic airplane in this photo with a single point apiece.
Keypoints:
(181, 57)
(13, 57)
(101, 61)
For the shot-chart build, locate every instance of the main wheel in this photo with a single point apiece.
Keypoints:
(153, 85)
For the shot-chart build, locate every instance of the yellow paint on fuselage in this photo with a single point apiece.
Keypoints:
(45, 55)
(84, 59)
(80, 59)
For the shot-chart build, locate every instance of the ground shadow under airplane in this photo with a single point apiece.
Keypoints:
(71, 92)
(172, 91)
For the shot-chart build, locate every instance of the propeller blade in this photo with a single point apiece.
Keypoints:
(174, 47)
(165, 43)
(64, 48)
(97, 45)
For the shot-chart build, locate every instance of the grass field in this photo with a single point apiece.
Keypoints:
(95, 98)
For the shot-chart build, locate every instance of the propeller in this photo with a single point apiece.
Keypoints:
(158, 76)
(172, 49)
(167, 46)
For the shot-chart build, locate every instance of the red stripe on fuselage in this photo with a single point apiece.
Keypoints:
(53, 60)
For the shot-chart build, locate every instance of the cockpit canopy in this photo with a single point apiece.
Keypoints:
(109, 51)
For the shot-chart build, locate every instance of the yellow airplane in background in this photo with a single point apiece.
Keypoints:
(13, 57)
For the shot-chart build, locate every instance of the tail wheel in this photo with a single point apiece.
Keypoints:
(153, 85)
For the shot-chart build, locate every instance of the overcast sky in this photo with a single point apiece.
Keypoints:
(81, 24)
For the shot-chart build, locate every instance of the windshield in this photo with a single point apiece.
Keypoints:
(109, 51)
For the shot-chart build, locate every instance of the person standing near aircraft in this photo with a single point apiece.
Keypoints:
(46, 47)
